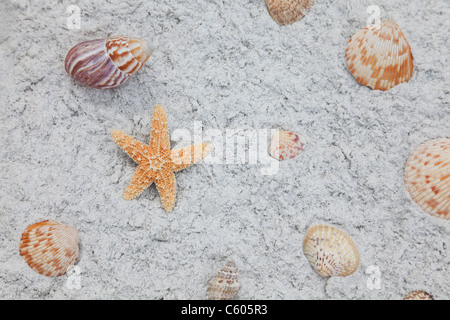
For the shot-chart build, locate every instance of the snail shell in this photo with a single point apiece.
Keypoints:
(107, 63)
(225, 284)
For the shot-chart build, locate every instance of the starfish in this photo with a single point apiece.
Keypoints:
(157, 162)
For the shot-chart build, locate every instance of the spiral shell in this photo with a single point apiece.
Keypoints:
(427, 177)
(49, 247)
(225, 284)
(418, 295)
(107, 63)
(288, 11)
(379, 56)
(330, 251)
(286, 145)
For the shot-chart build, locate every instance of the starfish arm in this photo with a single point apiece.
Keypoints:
(135, 149)
(140, 181)
(184, 157)
(167, 189)
(160, 131)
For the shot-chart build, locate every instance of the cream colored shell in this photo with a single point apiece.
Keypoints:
(286, 145)
(427, 177)
(330, 251)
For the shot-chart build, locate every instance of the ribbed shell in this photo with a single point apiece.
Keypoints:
(286, 145)
(418, 295)
(107, 63)
(330, 251)
(225, 284)
(288, 11)
(427, 177)
(49, 247)
(379, 56)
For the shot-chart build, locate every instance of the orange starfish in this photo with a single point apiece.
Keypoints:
(157, 162)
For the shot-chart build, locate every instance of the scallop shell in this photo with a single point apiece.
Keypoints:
(286, 145)
(49, 247)
(379, 56)
(427, 177)
(288, 11)
(418, 295)
(225, 284)
(107, 63)
(330, 251)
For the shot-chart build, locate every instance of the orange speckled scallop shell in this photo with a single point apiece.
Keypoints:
(49, 247)
(288, 11)
(427, 177)
(225, 284)
(379, 56)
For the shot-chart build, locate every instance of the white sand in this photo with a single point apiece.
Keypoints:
(228, 65)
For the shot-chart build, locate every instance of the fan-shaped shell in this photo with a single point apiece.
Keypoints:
(288, 11)
(286, 145)
(330, 251)
(49, 247)
(427, 177)
(418, 295)
(225, 284)
(107, 63)
(379, 56)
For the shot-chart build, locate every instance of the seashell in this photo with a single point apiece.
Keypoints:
(49, 247)
(225, 284)
(288, 11)
(427, 177)
(379, 56)
(286, 145)
(330, 251)
(107, 63)
(418, 295)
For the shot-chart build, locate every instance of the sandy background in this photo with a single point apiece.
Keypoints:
(230, 66)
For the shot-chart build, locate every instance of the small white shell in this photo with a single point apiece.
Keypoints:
(286, 145)
(49, 247)
(330, 251)
(225, 284)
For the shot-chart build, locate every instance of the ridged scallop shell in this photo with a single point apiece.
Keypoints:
(418, 295)
(288, 11)
(107, 63)
(286, 145)
(49, 247)
(427, 177)
(330, 251)
(225, 284)
(379, 56)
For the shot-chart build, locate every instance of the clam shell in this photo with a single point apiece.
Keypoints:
(288, 11)
(49, 247)
(225, 284)
(427, 177)
(286, 145)
(379, 56)
(106, 64)
(418, 295)
(330, 251)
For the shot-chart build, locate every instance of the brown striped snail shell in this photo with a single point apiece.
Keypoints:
(107, 63)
